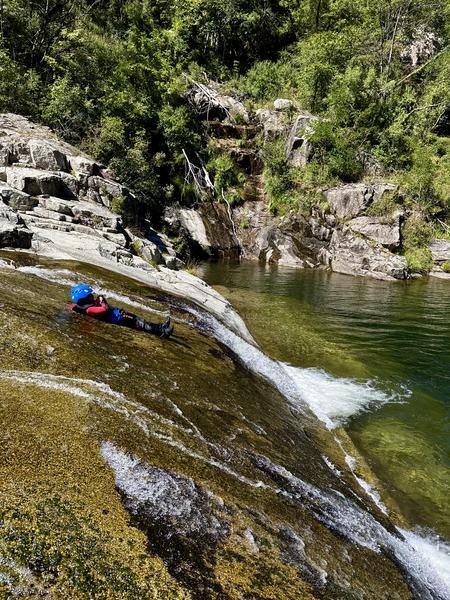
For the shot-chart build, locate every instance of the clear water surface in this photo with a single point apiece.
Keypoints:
(395, 335)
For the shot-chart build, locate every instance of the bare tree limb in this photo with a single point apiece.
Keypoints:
(400, 14)
(199, 178)
(233, 226)
(441, 114)
(425, 64)
(444, 225)
(427, 107)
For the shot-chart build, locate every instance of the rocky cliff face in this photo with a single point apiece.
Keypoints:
(48, 186)
(339, 235)
(341, 232)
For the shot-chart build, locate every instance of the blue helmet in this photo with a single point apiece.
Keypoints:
(80, 291)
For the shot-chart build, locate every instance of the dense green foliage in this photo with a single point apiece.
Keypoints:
(110, 76)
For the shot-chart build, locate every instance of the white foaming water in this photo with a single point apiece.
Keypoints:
(365, 485)
(62, 276)
(432, 551)
(330, 398)
(161, 494)
(427, 564)
(5, 264)
(109, 294)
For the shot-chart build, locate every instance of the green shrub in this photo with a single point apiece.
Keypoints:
(416, 233)
(385, 206)
(446, 266)
(419, 260)
(228, 178)
(427, 182)
(265, 81)
(118, 204)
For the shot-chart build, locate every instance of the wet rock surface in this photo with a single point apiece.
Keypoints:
(150, 467)
(67, 214)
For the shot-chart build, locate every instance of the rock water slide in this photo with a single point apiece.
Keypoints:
(308, 524)
(212, 462)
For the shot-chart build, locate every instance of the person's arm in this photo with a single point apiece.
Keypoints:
(75, 308)
(96, 311)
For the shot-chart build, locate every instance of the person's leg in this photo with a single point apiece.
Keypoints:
(134, 322)
(128, 319)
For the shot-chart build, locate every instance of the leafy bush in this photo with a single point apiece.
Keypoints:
(416, 233)
(385, 206)
(228, 179)
(291, 188)
(20, 90)
(427, 182)
(446, 266)
(419, 260)
(118, 205)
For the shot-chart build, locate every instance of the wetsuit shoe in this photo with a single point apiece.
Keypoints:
(166, 329)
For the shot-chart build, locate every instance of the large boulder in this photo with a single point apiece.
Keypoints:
(16, 199)
(44, 156)
(298, 146)
(83, 165)
(385, 232)
(104, 191)
(440, 250)
(58, 205)
(13, 232)
(283, 104)
(28, 144)
(274, 123)
(355, 255)
(210, 104)
(207, 231)
(294, 241)
(193, 223)
(36, 182)
(351, 200)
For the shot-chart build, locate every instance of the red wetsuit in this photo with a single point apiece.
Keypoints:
(98, 310)
(101, 310)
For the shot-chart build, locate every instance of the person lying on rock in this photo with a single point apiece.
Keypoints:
(86, 302)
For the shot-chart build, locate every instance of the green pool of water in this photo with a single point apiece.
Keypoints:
(395, 334)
